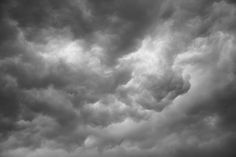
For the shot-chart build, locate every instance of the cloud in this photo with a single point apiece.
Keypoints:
(110, 23)
(113, 78)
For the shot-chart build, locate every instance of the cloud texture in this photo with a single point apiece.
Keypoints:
(112, 78)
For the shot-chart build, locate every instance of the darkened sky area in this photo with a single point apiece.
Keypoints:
(117, 78)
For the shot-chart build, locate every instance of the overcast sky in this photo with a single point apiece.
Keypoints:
(117, 78)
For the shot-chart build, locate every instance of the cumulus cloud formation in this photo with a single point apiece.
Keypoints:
(112, 78)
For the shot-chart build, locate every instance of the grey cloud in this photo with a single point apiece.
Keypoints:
(34, 16)
(105, 17)
(10, 105)
(114, 78)
(164, 90)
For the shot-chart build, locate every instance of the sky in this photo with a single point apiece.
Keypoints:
(117, 78)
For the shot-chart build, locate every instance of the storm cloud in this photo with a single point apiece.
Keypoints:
(112, 78)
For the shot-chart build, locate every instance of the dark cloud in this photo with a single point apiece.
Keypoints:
(9, 104)
(123, 27)
(35, 16)
(117, 78)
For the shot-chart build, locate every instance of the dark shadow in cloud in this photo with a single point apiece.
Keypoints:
(231, 1)
(10, 106)
(8, 33)
(33, 16)
(221, 103)
(163, 90)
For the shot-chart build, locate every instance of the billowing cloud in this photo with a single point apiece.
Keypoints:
(117, 78)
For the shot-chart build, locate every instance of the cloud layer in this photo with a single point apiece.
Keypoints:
(111, 78)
